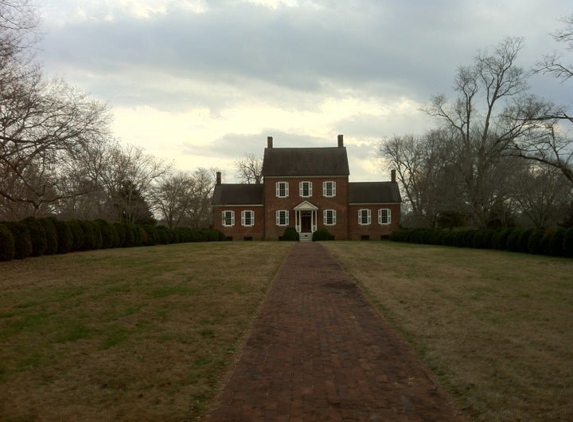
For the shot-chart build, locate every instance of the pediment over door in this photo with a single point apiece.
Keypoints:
(306, 206)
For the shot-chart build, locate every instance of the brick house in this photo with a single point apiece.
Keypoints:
(306, 188)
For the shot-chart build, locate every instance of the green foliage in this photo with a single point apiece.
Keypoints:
(568, 242)
(51, 236)
(120, 233)
(512, 241)
(93, 238)
(108, 234)
(22, 239)
(152, 237)
(524, 240)
(545, 242)
(290, 235)
(322, 234)
(534, 242)
(65, 236)
(37, 235)
(7, 246)
(164, 235)
(499, 239)
(78, 235)
(556, 243)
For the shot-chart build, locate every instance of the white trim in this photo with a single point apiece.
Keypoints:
(301, 185)
(388, 216)
(224, 218)
(325, 217)
(277, 189)
(368, 217)
(278, 217)
(244, 218)
(325, 190)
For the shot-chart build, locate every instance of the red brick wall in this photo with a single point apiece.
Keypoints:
(338, 203)
(238, 232)
(374, 231)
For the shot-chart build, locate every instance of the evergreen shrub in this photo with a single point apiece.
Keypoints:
(524, 240)
(556, 243)
(7, 246)
(22, 239)
(534, 242)
(37, 235)
(65, 236)
(51, 236)
(568, 242)
(512, 241)
(321, 234)
(290, 235)
(107, 233)
(77, 234)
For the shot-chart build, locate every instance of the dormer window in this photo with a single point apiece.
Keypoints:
(305, 189)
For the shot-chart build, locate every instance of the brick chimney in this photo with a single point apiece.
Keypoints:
(393, 175)
(269, 141)
(218, 178)
(340, 141)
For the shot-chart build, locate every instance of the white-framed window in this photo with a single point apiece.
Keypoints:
(329, 217)
(305, 189)
(247, 218)
(364, 217)
(329, 189)
(282, 189)
(228, 218)
(384, 216)
(282, 218)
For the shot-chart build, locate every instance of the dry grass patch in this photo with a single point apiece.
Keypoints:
(495, 327)
(130, 334)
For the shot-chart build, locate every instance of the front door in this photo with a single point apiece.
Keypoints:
(306, 222)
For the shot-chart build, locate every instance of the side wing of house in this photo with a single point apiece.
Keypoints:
(373, 210)
(238, 211)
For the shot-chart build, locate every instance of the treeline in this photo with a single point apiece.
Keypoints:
(557, 242)
(49, 236)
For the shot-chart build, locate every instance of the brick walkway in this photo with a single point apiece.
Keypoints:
(319, 352)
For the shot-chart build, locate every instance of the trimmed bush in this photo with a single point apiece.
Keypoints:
(164, 236)
(512, 241)
(7, 246)
(524, 240)
(65, 236)
(93, 239)
(152, 235)
(37, 235)
(545, 242)
(499, 239)
(77, 234)
(22, 239)
(107, 233)
(568, 242)
(556, 243)
(534, 242)
(290, 235)
(321, 234)
(120, 232)
(51, 236)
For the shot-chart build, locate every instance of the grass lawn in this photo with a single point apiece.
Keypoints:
(139, 334)
(495, 327)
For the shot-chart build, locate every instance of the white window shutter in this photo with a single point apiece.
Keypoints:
(278, 189)
(243, 218)
(286, 188)
(334, 190)
(389, 216)
(324, 190)
(333, 216)
(369, 217)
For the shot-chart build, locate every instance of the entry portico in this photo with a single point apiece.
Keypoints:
(306, 219)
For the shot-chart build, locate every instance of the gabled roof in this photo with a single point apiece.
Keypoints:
(238, 194)
(373, 193)
(305, 162)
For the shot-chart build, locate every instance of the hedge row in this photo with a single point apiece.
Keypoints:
(48, 236)
(534, 241)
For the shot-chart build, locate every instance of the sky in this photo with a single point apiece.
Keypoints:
(201, 83)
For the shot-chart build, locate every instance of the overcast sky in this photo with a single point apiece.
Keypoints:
(201, 83)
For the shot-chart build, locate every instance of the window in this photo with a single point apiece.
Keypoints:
(364, 217)
(329, 217)
(228, 218)
(282, 218)
(384, 216)
(247, 218)
(329, 189)
(305, 189)
(282, 189)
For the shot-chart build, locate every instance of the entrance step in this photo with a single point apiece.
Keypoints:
(305, 237)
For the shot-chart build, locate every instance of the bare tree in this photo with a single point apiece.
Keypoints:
(486, 120)
(250, 169)
(553, 64)
(173, 197)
